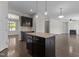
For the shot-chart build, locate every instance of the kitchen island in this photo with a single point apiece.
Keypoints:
(41, 44)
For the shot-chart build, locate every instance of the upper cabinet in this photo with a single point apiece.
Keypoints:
(26, 21)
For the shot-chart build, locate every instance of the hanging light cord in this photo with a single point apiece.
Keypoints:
(37, 6)
(36, 13)
(61, 11)
(46, 6)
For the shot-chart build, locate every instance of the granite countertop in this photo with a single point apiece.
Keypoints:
(44, 35)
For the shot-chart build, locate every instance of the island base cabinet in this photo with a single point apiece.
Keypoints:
(43, 47)
(38, 48)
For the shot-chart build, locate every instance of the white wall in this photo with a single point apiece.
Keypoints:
(39, 23)
(3, 25)
(55, 26)
(26, 29)
(58, 27)
(73, 25)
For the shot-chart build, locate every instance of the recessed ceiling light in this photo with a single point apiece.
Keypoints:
(31, 10)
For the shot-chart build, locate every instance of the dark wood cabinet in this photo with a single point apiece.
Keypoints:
(41, 47)
(38, 48)
(23, 36)
(26, 21)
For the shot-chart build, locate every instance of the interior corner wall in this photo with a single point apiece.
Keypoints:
(3, 25)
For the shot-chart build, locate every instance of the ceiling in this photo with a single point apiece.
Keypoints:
(70, 8)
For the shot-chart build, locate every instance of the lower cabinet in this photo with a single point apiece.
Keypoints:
(29, 43)
(23, 36)
(38, 48)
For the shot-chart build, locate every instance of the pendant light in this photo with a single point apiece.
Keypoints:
(31, 10)
(36, 9)
(61, 14)
(36, 16)
(45, 13)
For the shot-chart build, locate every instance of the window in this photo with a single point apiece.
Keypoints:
(12, 21)
(12, 25)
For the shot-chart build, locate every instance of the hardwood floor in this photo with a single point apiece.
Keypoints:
(16, 48)
(65, 46)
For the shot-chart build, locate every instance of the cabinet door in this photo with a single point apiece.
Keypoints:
(38, 47)
(26, 21)
(50, 47)
(29, 42)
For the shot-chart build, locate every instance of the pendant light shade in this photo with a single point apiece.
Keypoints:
(36, 9)
(36, 15)
(31, 10)
(61, 14)
(45, 13)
